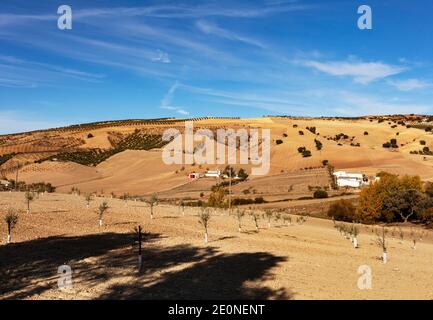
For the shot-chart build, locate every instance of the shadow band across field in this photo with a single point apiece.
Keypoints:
(28, 269)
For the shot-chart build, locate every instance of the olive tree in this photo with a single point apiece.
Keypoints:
(406, 203)
(354, 230)
(182, 207)
(29, 197)
(11, 220)
(239, 215)
(381, 242)
(287, 220)
(101, 211)
(256, 218)
(268, 214)
(153, 202)
(88, 197)
(204, 217)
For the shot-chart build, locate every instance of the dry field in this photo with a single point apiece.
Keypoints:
(302, 261)
(140, 172)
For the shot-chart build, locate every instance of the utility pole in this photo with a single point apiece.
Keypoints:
(230, 190)
(16, 176)
(140, 257)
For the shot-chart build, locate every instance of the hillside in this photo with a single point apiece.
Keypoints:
(125, 156)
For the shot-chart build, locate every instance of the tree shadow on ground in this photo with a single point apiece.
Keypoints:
(30, 268)
(221, 276)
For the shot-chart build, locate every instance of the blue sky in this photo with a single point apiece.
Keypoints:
(146, 59)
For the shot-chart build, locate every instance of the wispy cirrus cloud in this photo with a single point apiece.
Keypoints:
(163, 11)
(410, 84)
(16, 72)
(274, 101)
(231, 10)
(167, 100)
(211, 28)
(361, 72)
(355, 104)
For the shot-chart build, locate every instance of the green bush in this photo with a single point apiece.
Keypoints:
(320, 194)
(306, 153)
(319, 144)
(342, 210)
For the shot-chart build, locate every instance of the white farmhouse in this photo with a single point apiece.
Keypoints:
(213, 173)
(352, 180)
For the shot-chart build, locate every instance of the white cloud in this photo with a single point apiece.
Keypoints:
(361, 72)
(409, 84)
(354, 104)
(176, 109)
(211, 28)
(161, 57)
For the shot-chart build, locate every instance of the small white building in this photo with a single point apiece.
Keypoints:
(5, 183)
(352, 180)
(213, 173)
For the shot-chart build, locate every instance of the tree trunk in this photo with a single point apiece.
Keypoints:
(206, 237)
(269, 225)
(9, 233)
(140, 262)
(385, 257)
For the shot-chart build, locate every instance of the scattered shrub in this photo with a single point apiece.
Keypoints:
(342, 210)
(320, 194)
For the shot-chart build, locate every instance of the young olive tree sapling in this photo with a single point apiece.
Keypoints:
(256, 218)
(11, 220)
(381, 242)
(355, 233)
(88, 198)
(204, 217)
(29, 196)
(101, 211)
(153, 202)
(268, 214)
(182, 207)
(239, 215)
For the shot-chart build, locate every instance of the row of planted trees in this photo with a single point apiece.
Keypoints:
(12, 216)
(268, 215)
(382, 234)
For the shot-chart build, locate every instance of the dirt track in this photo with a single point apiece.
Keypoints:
(310, 261)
